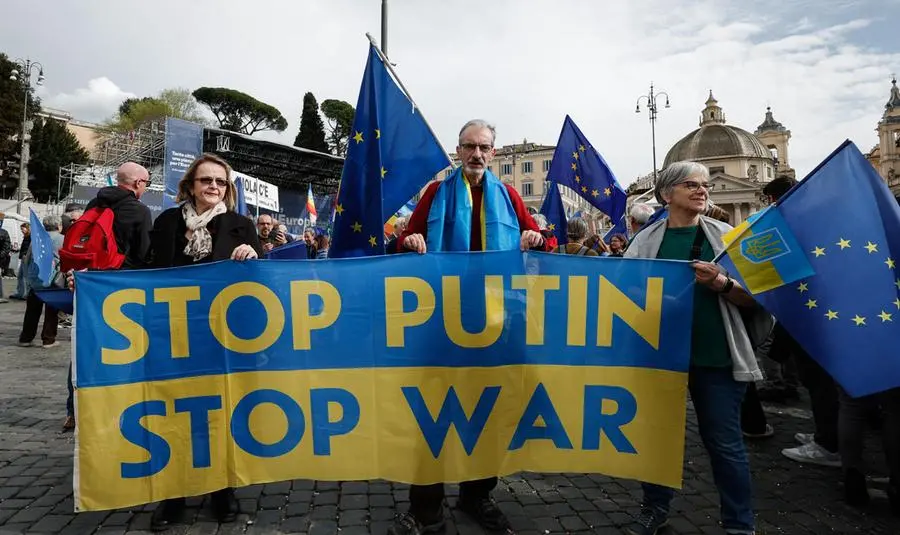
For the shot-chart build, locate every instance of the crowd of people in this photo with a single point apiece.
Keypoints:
(732, 338)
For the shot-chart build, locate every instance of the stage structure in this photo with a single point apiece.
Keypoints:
(165, 147)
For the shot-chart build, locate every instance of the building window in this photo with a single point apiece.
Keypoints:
(527, 167)
(724, 186)
(527, 189)
(768, 171)
(506, 169)
(547, 165)
(714, 170)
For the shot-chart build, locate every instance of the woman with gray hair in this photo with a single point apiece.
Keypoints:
(576, 232)
(722, 356)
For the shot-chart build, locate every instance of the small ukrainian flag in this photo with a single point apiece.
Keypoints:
(764, 253)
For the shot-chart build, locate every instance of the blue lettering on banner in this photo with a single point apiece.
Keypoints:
(243, 435)
(198, 408)
(451, 413)
(540, 406)
(597, 423)
(133, 431)
(324, 428)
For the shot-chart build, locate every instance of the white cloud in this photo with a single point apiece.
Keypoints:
(96, 102)
(823, 65)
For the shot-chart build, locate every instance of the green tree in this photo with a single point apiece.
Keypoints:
(312, 131)
(339, 116)
(125, 108)
(182, 104)
(239, 112)
(52, 146)
(12, 99)
(176, 102)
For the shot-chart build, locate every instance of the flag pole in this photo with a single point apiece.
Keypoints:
(390, 68)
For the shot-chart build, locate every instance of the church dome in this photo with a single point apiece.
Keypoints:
(715, 139)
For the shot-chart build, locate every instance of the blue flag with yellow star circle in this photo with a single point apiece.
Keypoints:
(391, 155)
(846, 312)
(577, 165)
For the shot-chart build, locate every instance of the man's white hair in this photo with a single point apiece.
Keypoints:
(480, 123)
(640, 212)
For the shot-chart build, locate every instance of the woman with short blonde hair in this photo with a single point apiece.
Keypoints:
(203, 228)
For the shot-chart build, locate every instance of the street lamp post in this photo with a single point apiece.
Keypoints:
(23, 71)
(651, 106)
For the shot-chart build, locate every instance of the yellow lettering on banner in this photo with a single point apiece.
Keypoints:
(535, 287)
(644, 321)
(218, 317)
(576, 320)
(303, 322)
(396, 319)
(177, 298)
(493, 317)
(138, 340)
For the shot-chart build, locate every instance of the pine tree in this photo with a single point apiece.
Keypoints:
(312, 130)
(52, 146)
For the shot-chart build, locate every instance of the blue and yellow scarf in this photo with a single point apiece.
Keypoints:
(450, 217)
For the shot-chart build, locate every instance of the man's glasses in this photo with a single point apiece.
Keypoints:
(472, 146)
(208, 181)
(694, 186)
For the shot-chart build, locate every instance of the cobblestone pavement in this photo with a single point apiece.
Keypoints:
(36, 480)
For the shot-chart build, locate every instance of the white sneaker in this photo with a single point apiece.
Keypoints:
(48, 346)
(814, 454)
(805, 438)
(25, 344)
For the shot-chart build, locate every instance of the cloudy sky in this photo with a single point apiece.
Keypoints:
(823, 65)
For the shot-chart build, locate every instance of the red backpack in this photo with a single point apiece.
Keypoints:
(90, 243)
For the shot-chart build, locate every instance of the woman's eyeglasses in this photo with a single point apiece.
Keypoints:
(690, 185)
(208, 181)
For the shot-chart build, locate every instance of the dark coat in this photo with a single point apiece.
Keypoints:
(228, 230)
(5, 245)
(131, 224)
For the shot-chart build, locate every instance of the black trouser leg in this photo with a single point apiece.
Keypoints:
(426, 502)
(823, 396)
(478, 489)
(51, 325)
(33, 309)
(753, 419)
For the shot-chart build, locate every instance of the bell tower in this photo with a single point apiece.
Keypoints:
(776, 138)
(889, 139)
(712, 114)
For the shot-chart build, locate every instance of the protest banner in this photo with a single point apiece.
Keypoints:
(411, 368)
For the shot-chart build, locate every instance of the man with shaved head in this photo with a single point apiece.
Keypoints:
(131, 226)
(132, 220)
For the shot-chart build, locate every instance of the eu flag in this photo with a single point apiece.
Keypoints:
(553, 210)
(391, 155)
(241, 201)
(847, 314)
(579, 166)
(41, 250)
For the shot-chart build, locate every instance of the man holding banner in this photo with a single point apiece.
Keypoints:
(722, 356)
(472, 210)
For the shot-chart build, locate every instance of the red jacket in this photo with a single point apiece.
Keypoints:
(418, 221)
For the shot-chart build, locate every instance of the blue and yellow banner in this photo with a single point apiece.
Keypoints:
(442, 367)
